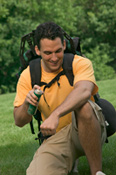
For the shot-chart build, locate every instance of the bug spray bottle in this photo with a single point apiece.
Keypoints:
(32, 109)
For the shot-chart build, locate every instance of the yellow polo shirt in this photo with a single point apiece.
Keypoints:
(55, 95)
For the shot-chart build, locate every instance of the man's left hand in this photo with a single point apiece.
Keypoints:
(48, 127)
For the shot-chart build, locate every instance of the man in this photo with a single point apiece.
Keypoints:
(70, 115)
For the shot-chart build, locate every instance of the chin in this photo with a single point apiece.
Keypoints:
(55, 69)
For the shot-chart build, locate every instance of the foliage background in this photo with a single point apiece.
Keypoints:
(93, 21)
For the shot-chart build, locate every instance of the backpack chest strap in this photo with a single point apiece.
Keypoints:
(48, 85)
(35, 71)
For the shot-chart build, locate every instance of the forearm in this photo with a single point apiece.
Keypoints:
(77, 98)
(21, 116)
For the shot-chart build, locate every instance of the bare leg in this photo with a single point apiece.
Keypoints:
(90, 137)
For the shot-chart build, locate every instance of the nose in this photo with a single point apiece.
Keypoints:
(54, 57)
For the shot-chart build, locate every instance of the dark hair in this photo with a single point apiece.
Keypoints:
(47, 30)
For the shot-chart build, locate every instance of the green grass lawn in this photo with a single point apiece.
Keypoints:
(17, 145)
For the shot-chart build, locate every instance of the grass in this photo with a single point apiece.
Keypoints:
(17, 145)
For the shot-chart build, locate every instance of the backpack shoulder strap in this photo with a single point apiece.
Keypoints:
(67, 67)
(35, 71)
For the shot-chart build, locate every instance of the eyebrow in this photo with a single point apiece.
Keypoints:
(51, 52)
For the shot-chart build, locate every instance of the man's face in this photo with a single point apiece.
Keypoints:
(52, 52)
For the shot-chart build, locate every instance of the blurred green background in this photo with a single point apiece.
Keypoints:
(93, 21)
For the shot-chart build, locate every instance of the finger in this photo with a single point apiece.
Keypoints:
(44, 132)
(47, 132)
(32, 98)
(44, 129)
(36, 87)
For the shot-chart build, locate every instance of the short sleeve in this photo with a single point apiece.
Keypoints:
(23, 87)
(83, 70)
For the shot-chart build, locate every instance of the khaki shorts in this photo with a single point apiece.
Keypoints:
(58, 153)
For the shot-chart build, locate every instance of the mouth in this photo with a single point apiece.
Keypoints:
(54, 63)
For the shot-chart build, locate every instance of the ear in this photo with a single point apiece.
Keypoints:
(64, 44)
(37, 50)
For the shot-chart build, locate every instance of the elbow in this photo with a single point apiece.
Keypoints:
(21, 118)
(17, 119)
(87, 95)
(19, 124)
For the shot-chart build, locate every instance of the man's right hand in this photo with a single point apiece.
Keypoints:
(31, 98)
(20, 113)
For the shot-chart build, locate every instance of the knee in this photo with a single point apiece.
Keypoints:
(85, 113)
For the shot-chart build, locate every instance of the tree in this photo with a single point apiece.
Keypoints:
(93, 21)
(97, 31)
(19, 18)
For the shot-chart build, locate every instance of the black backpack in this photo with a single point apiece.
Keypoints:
(72, 47)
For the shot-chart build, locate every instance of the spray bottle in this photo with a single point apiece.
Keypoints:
(32, 109)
